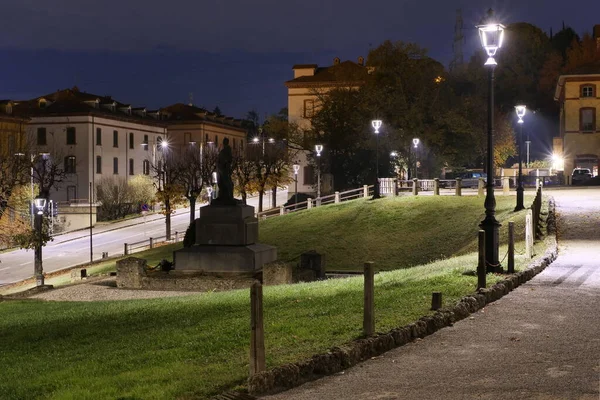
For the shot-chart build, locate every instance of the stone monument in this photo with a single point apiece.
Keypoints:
(226, 232)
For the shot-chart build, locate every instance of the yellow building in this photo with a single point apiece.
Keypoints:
(187, 124)
(12, 130)
(310, 81)
(579, 139)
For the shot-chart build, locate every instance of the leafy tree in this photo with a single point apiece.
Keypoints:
(243, 169)
(141, 189)
(115, 198)
(217, 111)
(168, 188)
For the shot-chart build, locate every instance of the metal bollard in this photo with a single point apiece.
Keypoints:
(436, 300)
(369, 299)
(415, 188)
(436, 187)
(125, 249)
(151, 243)
(481, 270)
(511, 247)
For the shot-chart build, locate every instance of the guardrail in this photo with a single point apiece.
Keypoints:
(150, 243)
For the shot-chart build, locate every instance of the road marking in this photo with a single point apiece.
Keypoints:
(25, 263)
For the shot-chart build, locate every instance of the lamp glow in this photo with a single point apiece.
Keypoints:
(393, 154)
(40, 204)
(491, 36)
(318, 149)
(376, 123)
(296, 169)
(416, 142)
(255, 139)
(521, 111)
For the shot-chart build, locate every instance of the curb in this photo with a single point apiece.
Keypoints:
(287, 376)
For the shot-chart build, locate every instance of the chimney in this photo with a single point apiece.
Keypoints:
(361, 61)
(336, 61)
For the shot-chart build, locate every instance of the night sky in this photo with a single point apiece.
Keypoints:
(236, 54)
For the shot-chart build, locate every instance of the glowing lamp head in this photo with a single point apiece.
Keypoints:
(492, 37)
(271, 140)
(296, 169)
(393, 154)
(164, 144)
(521, 110)
(318, 149)
(376, 124)
(40, 204)
(416, 142)
(255, 139)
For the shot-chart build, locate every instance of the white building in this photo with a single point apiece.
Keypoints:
(94, 137)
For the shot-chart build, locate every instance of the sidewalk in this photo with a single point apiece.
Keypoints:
(540, 341)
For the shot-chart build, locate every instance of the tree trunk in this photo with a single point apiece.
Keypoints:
(260, 200)
(168, 218)
(244, 198)
(192, 209)
(274, 197)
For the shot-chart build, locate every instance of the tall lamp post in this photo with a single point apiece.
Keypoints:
(521, 110)
(376, 123)
(296, 169)
(416, 144)
(491, 35)
(318, 150)
(40, 204)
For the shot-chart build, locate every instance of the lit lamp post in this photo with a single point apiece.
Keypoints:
(416, 144)
(491, 35)
(40, 204)
(318, 150)
(296, 169)
(521, 110)
(376, 123)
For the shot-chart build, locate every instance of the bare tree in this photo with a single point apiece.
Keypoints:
(243, 173)
(168, 187)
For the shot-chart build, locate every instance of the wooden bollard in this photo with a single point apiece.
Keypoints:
(415, 188)
(481, 270)
(458, 187)
(436, 300)
(151, 243)
(436, 187)
(257, 338)
(511, 247)
(369, 306)
(480, 186)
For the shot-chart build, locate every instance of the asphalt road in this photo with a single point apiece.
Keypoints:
(73, 248)
(540, 341)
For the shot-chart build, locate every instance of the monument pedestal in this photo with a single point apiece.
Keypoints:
(226, 238)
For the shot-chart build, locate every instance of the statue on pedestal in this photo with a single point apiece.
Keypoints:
(224, 172)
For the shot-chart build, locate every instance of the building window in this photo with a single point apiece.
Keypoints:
(309, 175)
(146, 167)
(70, 164)
(587, 119)
(131, 141)
(98, 164)
(116, 166)
(309, 108)
(115, 139)
(41, 136)
(70, 135)
(145, 143)
(588, 90)
(98, 137)
(131, 166)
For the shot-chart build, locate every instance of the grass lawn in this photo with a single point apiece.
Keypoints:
(196, 346)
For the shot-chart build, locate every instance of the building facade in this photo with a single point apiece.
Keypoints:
(309, 83)
(92, 137)
(579, 132)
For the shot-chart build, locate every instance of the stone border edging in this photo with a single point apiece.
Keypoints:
(287, 376)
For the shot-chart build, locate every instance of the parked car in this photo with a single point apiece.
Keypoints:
(581, 176)
(471, 179)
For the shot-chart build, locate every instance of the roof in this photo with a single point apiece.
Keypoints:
(186, 113)
(342, 73)
(74, 102)
(591, 71)
(302, 66)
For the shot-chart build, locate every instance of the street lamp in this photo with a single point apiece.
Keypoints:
(491, 35)
(296, 169)
(40, 205)
(318, 150)
(520, 110)
(416, 145)
(376, 124)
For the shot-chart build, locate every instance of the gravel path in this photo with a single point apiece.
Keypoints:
(103, 289)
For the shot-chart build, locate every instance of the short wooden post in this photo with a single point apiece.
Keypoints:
(458, 186)
(528, 234)
(511, 247)
(308, 203)
(415, 188)
(257, 338)
(481, 270)
(480, 186)
(337, 197)
(396, 191)
(365, 191)
(176, 236)
(125, 249)
(436, 187)
(151, 243)
(369, 306)
(281, 210)
(436, 300)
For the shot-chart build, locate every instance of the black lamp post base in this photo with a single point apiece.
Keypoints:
(376, 191)
(492, 241)
(520, 205)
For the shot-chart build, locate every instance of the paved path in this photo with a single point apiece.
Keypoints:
(541, 341)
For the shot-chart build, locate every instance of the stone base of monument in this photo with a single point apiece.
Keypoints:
(225, 256)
